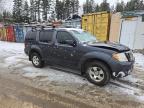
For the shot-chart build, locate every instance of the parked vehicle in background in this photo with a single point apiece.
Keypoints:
(78, 50)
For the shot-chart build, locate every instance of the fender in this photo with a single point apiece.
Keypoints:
(36, 49)
(95, 55)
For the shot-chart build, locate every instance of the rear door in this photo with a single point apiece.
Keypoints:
(46, 44)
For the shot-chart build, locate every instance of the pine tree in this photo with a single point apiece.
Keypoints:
(120, 6)
(6, 17)
(67, 8)
(26, 13)
(17, 11)
(59, 9)
(38, 7)
(92, 4)
(76, 6)
(89, 6)
(32, 10)
(45, 8)
(97, 8)
(84, 8)
(104, 6)
(134, 5)
(1, 17)
(52, 10)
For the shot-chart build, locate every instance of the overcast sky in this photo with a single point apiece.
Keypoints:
(99, 1)
(8, 4)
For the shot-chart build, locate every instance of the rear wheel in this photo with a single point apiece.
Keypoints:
(98, 73)
(36, 60)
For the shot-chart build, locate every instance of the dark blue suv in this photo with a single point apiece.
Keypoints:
(78, 50)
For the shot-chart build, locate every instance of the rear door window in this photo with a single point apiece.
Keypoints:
(31, 36)
(46, 36)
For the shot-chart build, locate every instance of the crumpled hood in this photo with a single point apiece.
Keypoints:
(109, 45)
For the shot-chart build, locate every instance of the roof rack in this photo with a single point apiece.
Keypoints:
(42, 27)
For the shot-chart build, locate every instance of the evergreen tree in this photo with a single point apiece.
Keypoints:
(104, 6)
(45, 9)
(1, 17)
(32, 10)
(134, 5)
(52, 10)
(6, 17)
(76, 6)
(26, 13)
(17, 11)
(65, 8)
(89, 6)
(97, 8)
(84, 8)
(38, 7)
(58, 9)
(120, 6)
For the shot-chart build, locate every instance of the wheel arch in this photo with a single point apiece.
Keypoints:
(34, 51)
(89, 60)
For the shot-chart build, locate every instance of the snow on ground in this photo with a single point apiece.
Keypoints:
(11, 48)
(51, 74)
(139, 60)
(15, 58)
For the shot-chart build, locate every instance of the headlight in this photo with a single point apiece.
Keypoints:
(120, 57)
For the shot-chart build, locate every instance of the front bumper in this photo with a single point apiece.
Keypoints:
(122, 69)
(122, 74)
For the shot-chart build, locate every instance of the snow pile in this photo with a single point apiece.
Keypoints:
(50, 74)
(131, 79)
(139, 59)
(11, 48)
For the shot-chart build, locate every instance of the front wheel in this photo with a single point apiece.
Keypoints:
(36, 60)
(98, 73)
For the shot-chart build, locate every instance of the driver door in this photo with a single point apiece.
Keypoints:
(66, 54)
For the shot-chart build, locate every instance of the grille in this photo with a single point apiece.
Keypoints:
(129, 56)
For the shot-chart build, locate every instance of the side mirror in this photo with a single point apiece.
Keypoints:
(70, 42)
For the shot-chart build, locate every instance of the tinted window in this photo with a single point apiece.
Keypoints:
(63, 36)
(31, 35)
(46, 36)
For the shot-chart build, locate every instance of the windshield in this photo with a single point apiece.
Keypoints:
(84, 36)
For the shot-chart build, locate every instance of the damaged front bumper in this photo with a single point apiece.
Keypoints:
(125, 71)
(122, 74)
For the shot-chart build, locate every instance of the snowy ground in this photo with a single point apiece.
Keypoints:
(139, 60)
(129, 89)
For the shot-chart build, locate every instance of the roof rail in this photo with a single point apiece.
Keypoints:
(41, 27)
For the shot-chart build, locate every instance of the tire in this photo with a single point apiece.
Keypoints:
(98, 73)
(36, 60)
